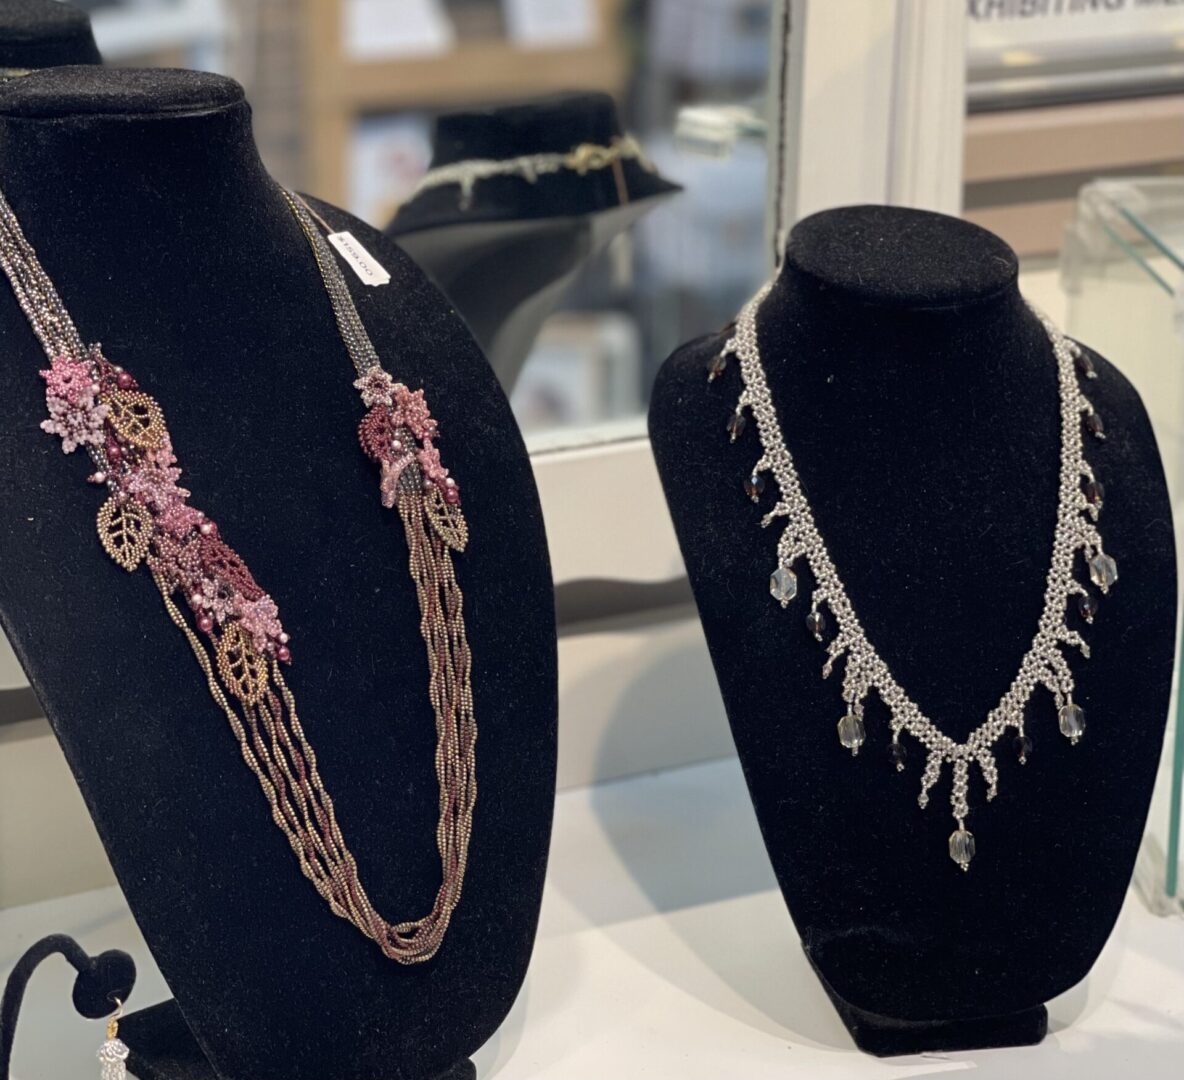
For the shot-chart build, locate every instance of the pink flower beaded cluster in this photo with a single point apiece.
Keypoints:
(96, 404)
(398, 419)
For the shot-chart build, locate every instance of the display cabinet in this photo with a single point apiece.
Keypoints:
(1123, 270)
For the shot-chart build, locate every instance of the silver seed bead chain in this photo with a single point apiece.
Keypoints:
(865, 671)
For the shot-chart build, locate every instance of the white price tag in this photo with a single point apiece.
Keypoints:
(365, 265)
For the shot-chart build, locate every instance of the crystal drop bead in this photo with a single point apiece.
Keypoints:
(754, 485)
(717, 366)
(1084, 365)
(1094, 492)
(737, 422)
(1103, 570)
(1023, 747)
(851, 732)
(1087, 606)
(816, 623)
(783, 585)
(898, 754)
(962, 846)
(1094, 425)
(1072, 718)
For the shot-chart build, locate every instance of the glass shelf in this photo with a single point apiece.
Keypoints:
(1122, 266)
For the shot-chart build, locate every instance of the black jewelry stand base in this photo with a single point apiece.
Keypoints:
(162, 1048)
(886, 1036)
(506, 277)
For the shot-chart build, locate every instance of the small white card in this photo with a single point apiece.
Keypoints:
(365, 265)
(376, 29)
(543, 23)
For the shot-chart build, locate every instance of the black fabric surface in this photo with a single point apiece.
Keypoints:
(555, 124)
(171, 246)
(918, 396)
(44, 33)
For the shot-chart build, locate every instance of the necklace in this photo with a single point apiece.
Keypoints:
(1079, 503)
(583, 159)
(232, 625)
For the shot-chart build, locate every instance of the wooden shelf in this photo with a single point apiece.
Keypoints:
(339, 90)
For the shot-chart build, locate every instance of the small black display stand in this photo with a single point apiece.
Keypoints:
(102, 984)
(145, 199)
(44, 33)
(919, 399)
(506, 259)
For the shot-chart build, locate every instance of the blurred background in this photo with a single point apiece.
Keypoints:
(345, 93)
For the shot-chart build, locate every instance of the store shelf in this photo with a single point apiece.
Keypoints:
(665, 952)
(338, 89)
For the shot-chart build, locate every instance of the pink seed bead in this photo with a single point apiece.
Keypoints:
(123, 380)
(114, 453)
(208, 528)
(283, 654)
(285, 638)
(205, 624)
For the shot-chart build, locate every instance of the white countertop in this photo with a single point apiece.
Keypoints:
(665, 952)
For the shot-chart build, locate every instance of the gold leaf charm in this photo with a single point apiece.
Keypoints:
(125, 531)
(447, 520)
(136, 418)
(243, 670)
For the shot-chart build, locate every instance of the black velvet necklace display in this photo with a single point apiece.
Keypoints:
(550, 125)
(918, 396)
(146, 201)
(506, 258)
(44, 33)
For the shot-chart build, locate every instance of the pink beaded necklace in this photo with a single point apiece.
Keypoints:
(232, 625)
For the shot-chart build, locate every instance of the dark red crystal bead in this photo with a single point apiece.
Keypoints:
(1084, 365)
(898, 754)
(754, 486)
(1087, 605)
(737, 422)
(717, 366)
(1094, 425)
(1023, 747)
(816, 624)
(1094, 491)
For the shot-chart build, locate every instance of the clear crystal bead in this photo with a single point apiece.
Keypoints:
(783, 585)
(851, 732)
(1103, 570)
(1072, 718)
(962, 846)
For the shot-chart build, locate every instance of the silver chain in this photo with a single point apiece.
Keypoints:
(865, 671)
(349, 322)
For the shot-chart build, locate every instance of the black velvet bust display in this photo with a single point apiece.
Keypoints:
(506, 259)
(148, 206)
(918, 396)
(44, 33)
(550, 125)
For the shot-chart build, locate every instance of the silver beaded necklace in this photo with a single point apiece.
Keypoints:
(1079, 503)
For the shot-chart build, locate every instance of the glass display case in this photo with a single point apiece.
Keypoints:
(1123, 271)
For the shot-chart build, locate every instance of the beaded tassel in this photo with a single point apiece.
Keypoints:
(113, 1053)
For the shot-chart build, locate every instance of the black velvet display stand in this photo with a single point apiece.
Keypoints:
(506, 259)
(145, 199)
(103, 983)
(44, 33)
(918, 396)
